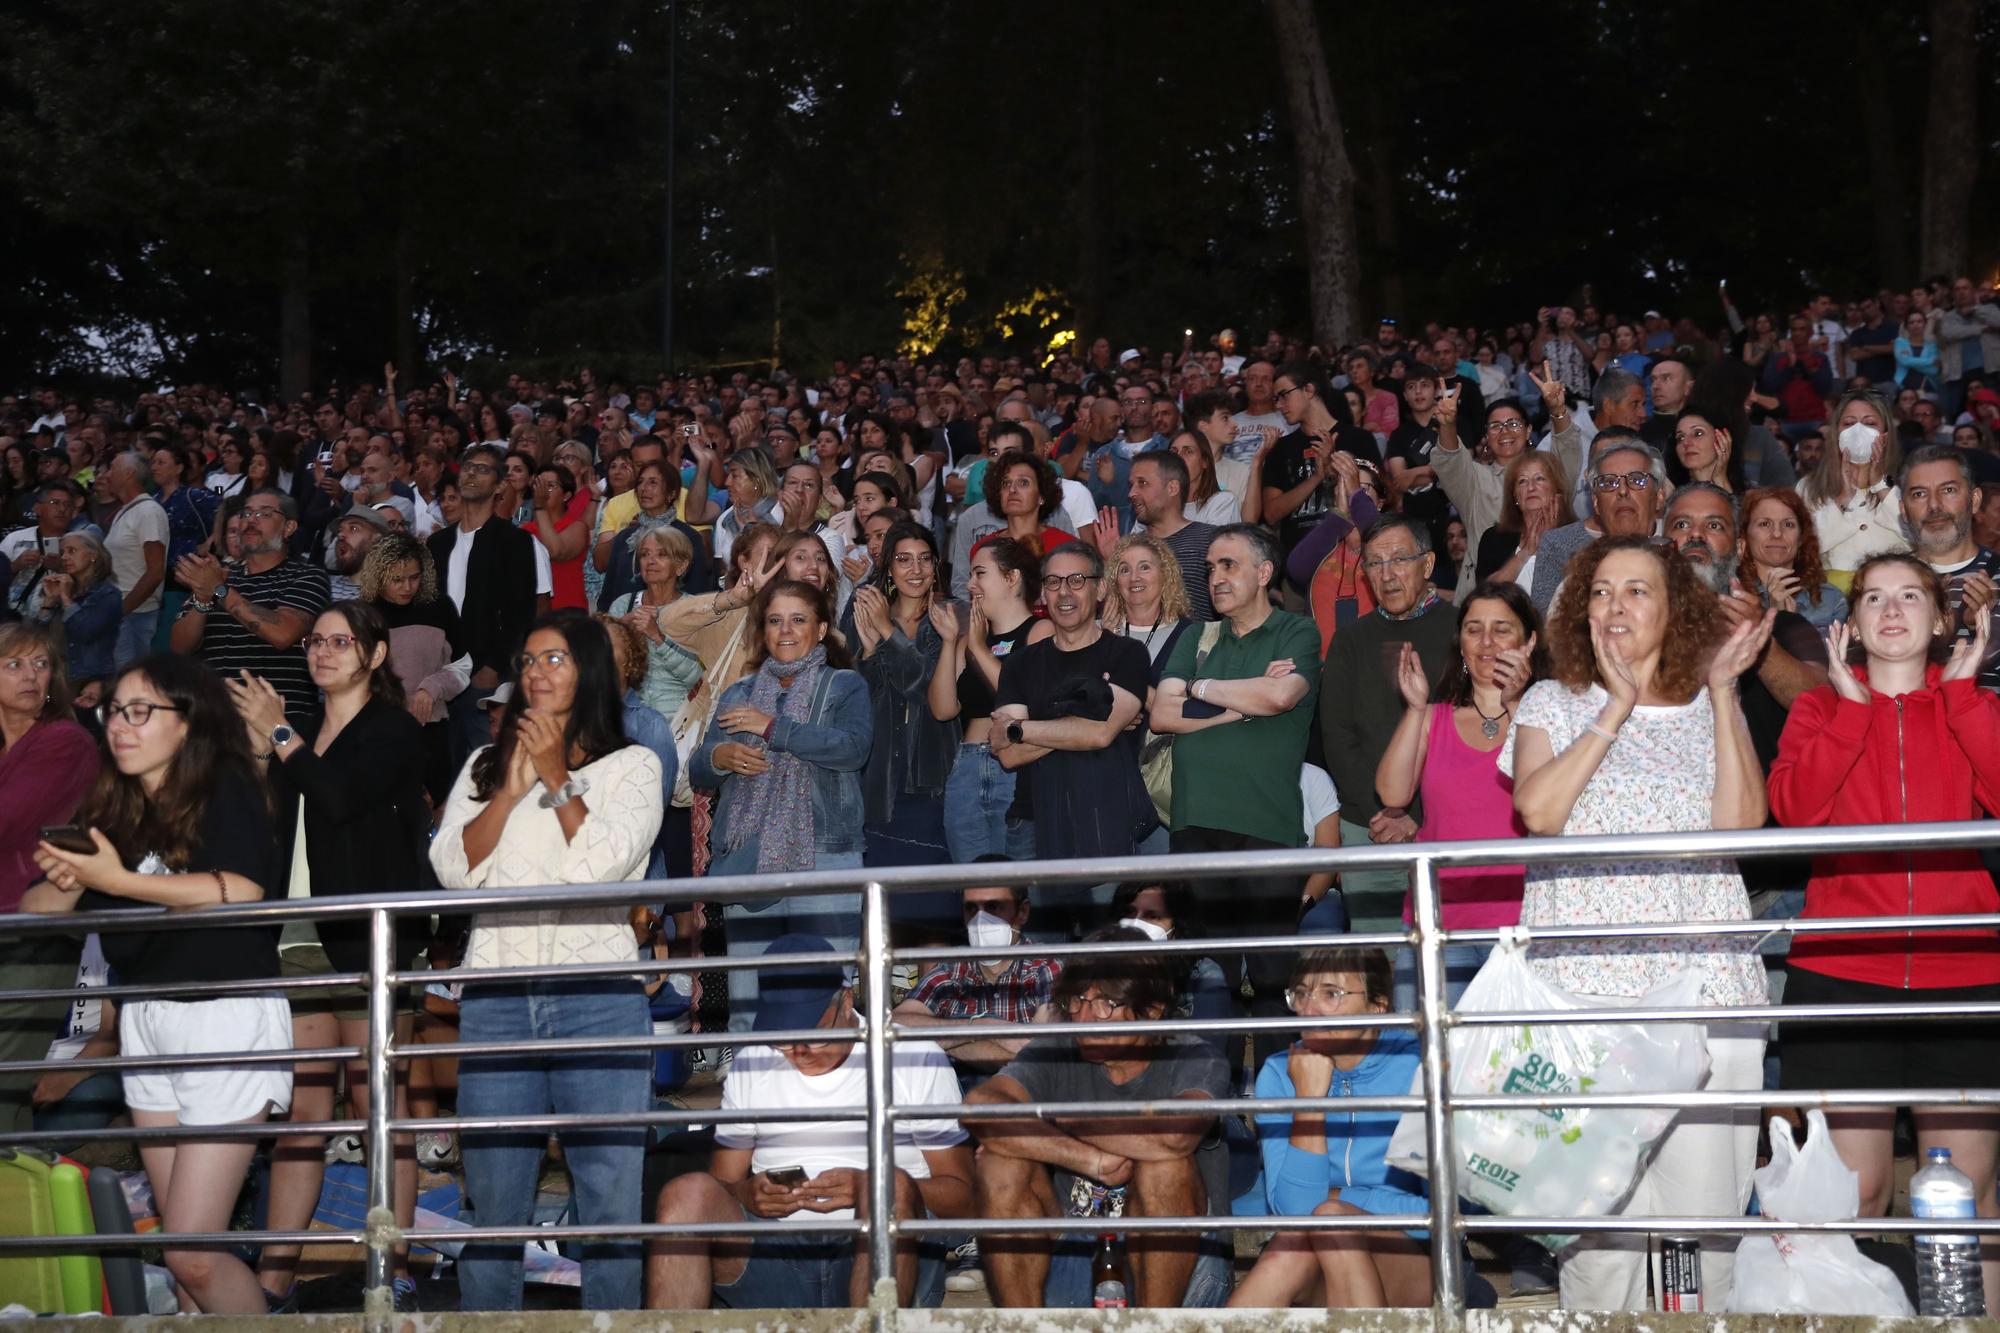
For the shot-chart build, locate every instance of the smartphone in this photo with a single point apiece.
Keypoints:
(325, 455)
(70, 837)
(51, 548)
(787, 1177)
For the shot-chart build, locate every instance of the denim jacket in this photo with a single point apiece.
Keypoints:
(836, 743)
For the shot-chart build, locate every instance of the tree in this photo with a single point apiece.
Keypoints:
(1951, 154)
(1325, 174)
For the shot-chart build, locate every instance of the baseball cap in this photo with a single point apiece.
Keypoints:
(364, 514)
(790, 999)
(1652, 314)
(400, 505)
(1984, 396)
(501, 694)
(1129, 354)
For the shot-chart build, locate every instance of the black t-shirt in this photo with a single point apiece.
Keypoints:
(1412, 444)
(1286, 466)
(1877, 368)
(1083, 802)
(236, 835)
(975, 697)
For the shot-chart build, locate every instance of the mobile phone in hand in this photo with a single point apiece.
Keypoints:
(70, 838)
(787, 1177)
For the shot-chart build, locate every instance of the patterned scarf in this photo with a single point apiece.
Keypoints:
(778, 810)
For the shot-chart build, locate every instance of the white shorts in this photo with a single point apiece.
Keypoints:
(211, 1094)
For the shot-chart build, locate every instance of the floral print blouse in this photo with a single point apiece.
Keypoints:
(1658, 777)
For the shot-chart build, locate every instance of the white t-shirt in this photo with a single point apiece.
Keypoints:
(454, 571)
(1076, 502)
(1321, 799)
(132, 528)
(86, 1012)
(545, 584)
(763, 1079)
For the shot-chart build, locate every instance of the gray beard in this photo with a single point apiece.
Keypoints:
(1717, 572)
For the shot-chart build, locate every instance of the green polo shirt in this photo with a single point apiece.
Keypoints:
(1244, 777)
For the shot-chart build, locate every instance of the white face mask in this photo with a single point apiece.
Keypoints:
(1152, 930)
(987, 931)
(1857, 443)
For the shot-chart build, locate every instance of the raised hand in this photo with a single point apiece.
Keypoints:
(1512, 669)
(1838, 673)
(944, 619)
(1411, 682)
(1781, 585)
(1551, 388)
(1968, 655)
(1446, 409)
(1613, 672)
(1740, 651)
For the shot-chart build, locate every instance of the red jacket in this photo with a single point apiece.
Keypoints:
(1931, 754)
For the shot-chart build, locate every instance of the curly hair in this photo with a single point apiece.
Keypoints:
(1048, 486)
(628, 640)
(1174, 603)
(1807, 564)
(1693, 621)
(384, 554)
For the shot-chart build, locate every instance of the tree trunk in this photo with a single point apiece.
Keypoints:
(1325, 174)
(1888, 201)
(295, 318)
(1088, 297)
(1951, 157)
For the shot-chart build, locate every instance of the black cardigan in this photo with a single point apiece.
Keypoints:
(499, 590)
(367, 829)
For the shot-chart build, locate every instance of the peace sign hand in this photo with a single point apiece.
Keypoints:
(1446, 408)
(1551, 387)
(1838, 673)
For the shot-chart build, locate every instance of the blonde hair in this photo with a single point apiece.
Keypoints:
(1174, 604)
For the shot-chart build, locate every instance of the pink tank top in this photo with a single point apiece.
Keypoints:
(1467, 797)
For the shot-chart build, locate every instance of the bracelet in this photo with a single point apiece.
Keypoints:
(1201, 690)
(221, 884)
(1595, 730)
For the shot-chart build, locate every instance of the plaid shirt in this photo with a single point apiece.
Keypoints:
(960, 990)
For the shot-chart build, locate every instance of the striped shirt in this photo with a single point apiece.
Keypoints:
(229, 646)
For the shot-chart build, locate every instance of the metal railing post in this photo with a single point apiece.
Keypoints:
(378, 1303)
(881, 1133)
(1447, 1270)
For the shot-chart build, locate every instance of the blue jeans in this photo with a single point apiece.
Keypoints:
(749, 928)
(787, 1271)
(135, 637)
(470, 727)
(915, 836)
(605, 1165)
(1068, 1284)
(976, 797)
(1461, 963)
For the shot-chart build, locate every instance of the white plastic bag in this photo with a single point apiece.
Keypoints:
(1572, 1161)
(1783, 1272)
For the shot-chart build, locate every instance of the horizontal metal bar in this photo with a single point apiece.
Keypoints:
(195, 989)
(1730, 1013)
(642, 966)
(204, 1060)
(1614, 848)
(1729, 1226)
(1157, 949)
(193, 1240)
(1785, 925)
(648, 1042)
(241, 1129)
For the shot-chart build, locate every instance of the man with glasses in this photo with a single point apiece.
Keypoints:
(28, 550)
(490, 575)
(1108, 470)
(1158, 1166)
(1063, 721)
(252, 616)
(1239, 699)
(985, 990)
(1628, 485)
(1361, 705)
(765, 1172)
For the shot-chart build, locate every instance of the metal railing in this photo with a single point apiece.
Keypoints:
(1433, 1021)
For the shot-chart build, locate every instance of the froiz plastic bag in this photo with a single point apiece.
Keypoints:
(1791, 1272)
(1560, 1161)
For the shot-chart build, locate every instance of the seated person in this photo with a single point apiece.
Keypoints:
(1067, 1166)
(772, 1170)
(1334, 1165)
(76, 1099)
(1166, 911)
(1005, 990)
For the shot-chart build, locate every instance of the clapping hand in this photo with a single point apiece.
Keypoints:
(1411, 682)
(1838, 673)
(540, 737)
(1613, 672)
(1740, 651)
(944, 619)
(201, 574)
(1968, 655)
(1512, 668)
(259, 705)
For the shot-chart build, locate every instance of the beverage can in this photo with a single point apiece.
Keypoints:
(1680, 1273)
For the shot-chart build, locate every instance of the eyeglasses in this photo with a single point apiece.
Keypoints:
(1383, 565)
(1094, 1006)
(918, 560)
(477, 467)
(1299, 997)
(1629, 481)
(555, 659)
(1074, 582)
(135, 714)
(263, 512)
(1510, 426)
(340, 643)
(1283, 394)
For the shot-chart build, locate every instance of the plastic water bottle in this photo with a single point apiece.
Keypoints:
(1948, 1277)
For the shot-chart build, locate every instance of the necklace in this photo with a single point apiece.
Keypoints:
(1489, 727)
(1147, 641)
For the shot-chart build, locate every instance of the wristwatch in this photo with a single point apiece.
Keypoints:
(220, 595)
(281, 735)
(1015, 734)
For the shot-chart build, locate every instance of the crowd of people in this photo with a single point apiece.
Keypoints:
(1583, 574)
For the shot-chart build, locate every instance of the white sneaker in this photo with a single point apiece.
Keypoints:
(344, 1148)
(436, 1150)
